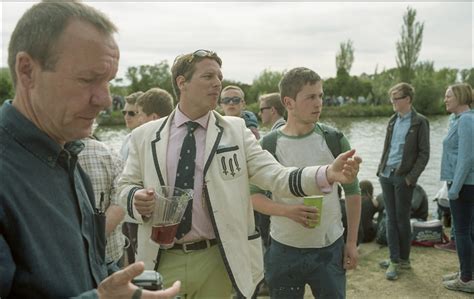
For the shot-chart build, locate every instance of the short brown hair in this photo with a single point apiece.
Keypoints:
(234, 87)
(156, 100)
(463, 93)
(132, 98)
(39, 29)
(406, 89)
(184, 66)
(294, 80)
(273, 100)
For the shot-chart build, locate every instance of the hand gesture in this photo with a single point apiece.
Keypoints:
(345, 168)
(144, 201)
(119, 285)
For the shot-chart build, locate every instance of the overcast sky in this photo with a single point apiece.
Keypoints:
(252, 36)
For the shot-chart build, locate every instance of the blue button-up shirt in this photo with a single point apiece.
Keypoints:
(51, 239)
(400, 130)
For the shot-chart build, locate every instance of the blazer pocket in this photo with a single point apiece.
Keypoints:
(230, 162)
(227, 149)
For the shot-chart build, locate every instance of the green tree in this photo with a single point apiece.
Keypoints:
(117, 87)
(145, 77)
(6, 85)
(381, 83)
(266, 82)
(409, 45)
(342, 82)
(345, 56)
(467, 76)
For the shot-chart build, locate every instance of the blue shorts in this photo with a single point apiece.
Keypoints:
(288, 269)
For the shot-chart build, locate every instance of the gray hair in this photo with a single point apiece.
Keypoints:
(39, 29)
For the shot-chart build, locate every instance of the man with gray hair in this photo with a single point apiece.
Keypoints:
(52, 241)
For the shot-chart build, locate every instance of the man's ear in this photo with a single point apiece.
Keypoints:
(180, 80)
(25, 67)
(287, 101)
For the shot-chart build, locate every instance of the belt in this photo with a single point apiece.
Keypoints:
(187, 247)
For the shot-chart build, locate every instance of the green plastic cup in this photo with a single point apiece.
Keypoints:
(317, 202)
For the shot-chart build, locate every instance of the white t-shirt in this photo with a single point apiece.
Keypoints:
(307, 150)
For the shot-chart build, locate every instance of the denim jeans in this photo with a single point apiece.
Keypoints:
(397, 196)
(462, 212)
(288, 269)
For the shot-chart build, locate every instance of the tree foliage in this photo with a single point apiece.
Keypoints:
(266, 82)
(381, 83)
(145, 77)
(6, 85)
(467, 76)
(345, 56)
(409, 45)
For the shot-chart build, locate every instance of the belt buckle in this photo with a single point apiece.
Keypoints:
(185, 246)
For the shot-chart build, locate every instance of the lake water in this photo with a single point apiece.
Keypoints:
(367, 136)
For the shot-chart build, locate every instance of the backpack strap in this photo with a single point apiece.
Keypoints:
(269, 142)
(330, 134)
(333, 138)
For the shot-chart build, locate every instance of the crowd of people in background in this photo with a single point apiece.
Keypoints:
(75, 215)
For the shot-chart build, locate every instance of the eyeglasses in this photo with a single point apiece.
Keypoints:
(130, 113)
(229, 100)
(397, 99)
(263, 108)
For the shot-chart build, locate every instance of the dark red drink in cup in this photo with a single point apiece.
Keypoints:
(164, 235)
(170, 204)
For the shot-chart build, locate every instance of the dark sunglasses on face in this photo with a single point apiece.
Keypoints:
(263, 108)
(130, 113)
(229, 100)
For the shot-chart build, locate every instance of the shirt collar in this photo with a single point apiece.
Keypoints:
(406, 116)
(180, 119)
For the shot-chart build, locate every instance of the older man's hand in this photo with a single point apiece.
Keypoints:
(345, 168)
(119, 285)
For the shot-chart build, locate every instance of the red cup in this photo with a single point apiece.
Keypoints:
(164, 235)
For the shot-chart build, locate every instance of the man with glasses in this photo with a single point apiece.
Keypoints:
(272, 110)
(130, 111)
(233, 104)
(216, 246)
(405, 155)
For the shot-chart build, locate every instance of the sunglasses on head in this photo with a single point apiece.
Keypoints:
(229, 100)
(130, 113)
(198, 53)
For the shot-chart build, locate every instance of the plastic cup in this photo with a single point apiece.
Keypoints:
(317, 202)
(170, 204)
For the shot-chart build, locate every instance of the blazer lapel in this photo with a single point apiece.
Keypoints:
(213, 137)
(159, 148)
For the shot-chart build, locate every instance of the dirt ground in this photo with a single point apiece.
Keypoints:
(422, 281)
